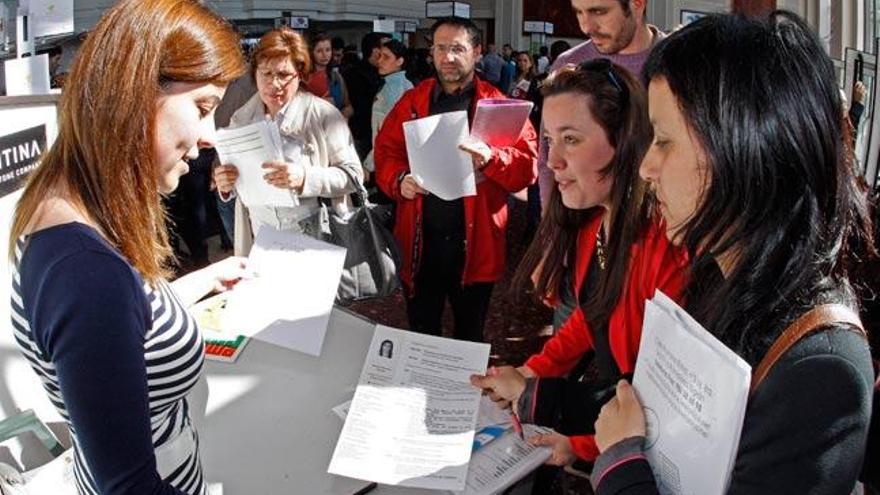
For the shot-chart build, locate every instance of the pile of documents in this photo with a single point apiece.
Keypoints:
(414, 415)
(248, 148)
(694, 391)
(285, 300)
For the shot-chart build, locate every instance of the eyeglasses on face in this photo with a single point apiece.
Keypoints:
(269, 76)
(456, 50)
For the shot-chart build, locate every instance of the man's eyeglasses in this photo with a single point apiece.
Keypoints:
(455, 50)
(269, 76)
(605, 65)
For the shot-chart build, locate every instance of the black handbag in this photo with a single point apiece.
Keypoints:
(372, 255)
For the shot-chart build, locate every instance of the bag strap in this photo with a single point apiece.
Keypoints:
(360, 190)
(818, 317)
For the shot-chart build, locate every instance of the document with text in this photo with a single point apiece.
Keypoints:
(247, 148)
(412, 420)
(435, 161)
(289, 294)
(694, 391)
(504, 461)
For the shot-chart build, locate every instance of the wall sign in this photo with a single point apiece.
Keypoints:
(19, 155)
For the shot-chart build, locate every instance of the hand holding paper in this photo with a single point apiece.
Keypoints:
(480, 152)
(284, 175)
(620, 418)
(503, 383)
(247, 148)
(409, 187)
(224, 178)
(562, 455)
(436, 162)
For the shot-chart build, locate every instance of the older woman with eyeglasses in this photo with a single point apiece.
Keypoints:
(319, 158)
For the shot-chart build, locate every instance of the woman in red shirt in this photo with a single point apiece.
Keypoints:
(598, 254)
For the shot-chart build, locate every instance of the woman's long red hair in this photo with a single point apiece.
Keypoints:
(103, 156)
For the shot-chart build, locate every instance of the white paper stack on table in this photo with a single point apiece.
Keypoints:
(288, 297)
(247, 148)
(694, 392)
(493, 467)
(411, 422)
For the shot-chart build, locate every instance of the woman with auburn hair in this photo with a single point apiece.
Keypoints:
(319, 159)
(91, 308)
(598, 255)
(752, 171)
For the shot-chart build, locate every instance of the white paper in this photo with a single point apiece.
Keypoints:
(412, 419)
(435, 161)
(499, 122)
(288, 299)
(27, 76)
(50, 17)
(504, 462)
(248, 147)
(694, 392)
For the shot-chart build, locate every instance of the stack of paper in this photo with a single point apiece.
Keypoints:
(412, 419)
(694, 392)
(247, 148)
(288, 297)
(505, 461)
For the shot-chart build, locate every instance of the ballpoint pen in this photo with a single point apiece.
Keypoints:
(517, 426)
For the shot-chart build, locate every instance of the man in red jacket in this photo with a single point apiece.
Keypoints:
(451, 249)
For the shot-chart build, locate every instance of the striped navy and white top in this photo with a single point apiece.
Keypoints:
(117, 358)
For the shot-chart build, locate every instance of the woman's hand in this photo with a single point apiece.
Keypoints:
(563, 454)
(284, 175)
(224, 178)
(620, 418)
(218, 277)
(504, 384)
(227, 272)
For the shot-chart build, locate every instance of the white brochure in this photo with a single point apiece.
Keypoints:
(694, 391)
(247, 148)
(414, 411)
(289, 296)
(435, 160)
(505, 461)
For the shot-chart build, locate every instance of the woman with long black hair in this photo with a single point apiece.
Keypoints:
(750, 169)
(598, 254)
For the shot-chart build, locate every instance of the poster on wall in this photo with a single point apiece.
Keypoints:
(19, 154)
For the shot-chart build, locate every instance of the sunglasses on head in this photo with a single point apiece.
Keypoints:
(605, 66)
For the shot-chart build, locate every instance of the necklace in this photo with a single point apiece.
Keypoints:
(601, 255)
